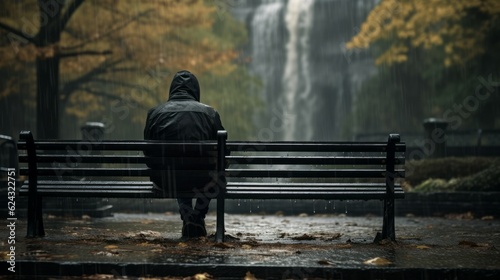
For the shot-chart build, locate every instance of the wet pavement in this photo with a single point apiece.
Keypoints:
(275, 246)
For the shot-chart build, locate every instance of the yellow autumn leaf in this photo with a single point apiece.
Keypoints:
(249, 276)
(202, 276)
(378, 261)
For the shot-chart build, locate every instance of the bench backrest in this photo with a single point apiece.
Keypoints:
(74, 161)
(342, 170)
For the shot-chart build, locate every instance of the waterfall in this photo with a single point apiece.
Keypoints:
(266, 29)
(308, 78)
(266, 33)
(297, 81)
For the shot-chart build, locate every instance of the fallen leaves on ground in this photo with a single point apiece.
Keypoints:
(144, 234)
(305, 236)
(378, 261)
(334, 236)
(107, 253)
(325, 262)
(423, 247)
(249, 276)
(224, 245)
(460, 216)
(201, 276)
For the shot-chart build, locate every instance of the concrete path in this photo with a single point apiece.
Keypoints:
(263, 246)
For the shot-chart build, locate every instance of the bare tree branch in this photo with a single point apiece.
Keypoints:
(122, 84)
(17, 32)
(89, 52)
(69, 12)
(109, 31)
(112, 96)
(70, 87)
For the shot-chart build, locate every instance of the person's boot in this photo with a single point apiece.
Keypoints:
(200, 227)
(193, 227)
(184, 230)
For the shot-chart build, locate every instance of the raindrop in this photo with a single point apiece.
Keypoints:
(239, 202)
(314, 206)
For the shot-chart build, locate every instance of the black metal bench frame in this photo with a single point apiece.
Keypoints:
(257, 170)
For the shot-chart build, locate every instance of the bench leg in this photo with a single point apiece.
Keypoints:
(219, 234)
(388, 228)
(35, 219)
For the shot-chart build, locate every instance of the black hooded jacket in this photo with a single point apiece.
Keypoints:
(183, 117)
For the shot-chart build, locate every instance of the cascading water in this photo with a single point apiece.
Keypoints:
(267, 60)
(308, 78)
(296, 79)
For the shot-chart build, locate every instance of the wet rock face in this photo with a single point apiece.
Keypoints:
(297, 49)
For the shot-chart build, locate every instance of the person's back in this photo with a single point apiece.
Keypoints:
(184, 118)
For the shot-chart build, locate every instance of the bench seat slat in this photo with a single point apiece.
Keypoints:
(144, 189)
(195, 148)
(316, 160)
(311, 173)
(311, 191)
(125, 159)
(111, 172)
(283, 146)
(88, 187)
(305, 186)
(92, 182)
(318, 195)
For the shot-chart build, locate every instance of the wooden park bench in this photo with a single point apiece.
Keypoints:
(256, 170)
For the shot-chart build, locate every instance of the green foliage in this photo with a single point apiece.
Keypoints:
(486, 180)
(433, 185)
(453, 174)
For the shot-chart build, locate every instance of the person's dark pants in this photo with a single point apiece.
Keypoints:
(188, 213)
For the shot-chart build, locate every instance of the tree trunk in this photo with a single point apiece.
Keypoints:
(47, 68)
(47, 105)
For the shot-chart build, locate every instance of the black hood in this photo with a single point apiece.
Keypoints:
(184, 84)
